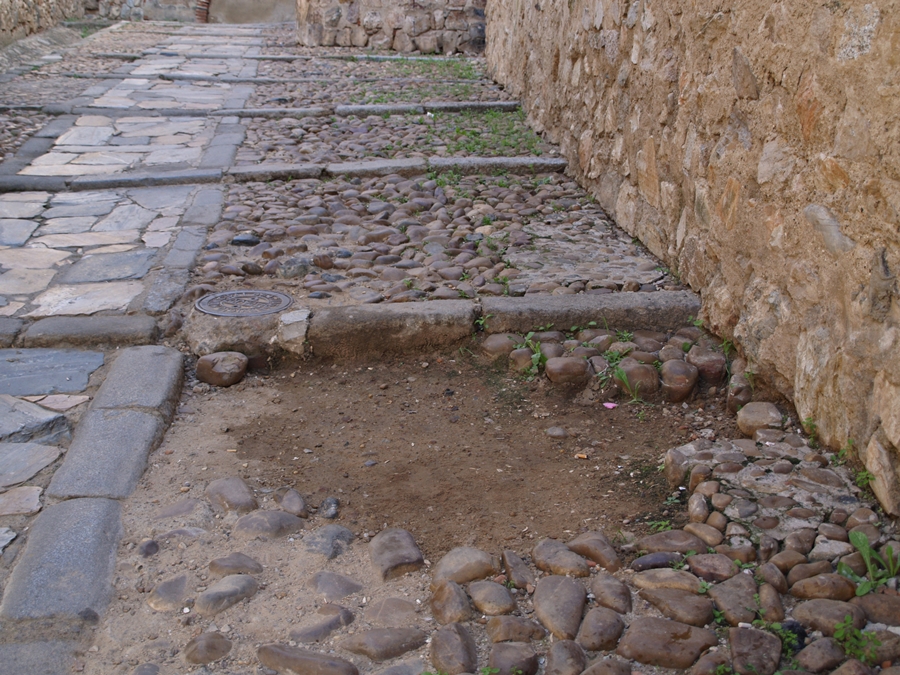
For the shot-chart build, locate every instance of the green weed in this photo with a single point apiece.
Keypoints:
(855, 643)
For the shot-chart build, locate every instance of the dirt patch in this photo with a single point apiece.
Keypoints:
(456, 451)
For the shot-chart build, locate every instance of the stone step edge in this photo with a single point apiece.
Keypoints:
(373, 330)
(345, 110)
(232, 79)
(317, 111)
(17, 183)
(290, 57)
(403, 167)
(263, 172)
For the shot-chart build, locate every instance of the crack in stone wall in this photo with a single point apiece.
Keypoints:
(428, 26)
(755, 149)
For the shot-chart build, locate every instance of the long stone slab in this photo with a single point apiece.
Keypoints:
(65, 573)
(84, 331)
(272, 112)
(661, 310)
(274, 171)
(32, 372)
(516, 165)
(143, 377)
(369, 330)
(384, 167)
(21, 461)
(108, 454)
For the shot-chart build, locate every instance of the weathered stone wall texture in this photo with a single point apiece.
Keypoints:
(19, 18)
(429, 26)
(755, 147)
(152, 10)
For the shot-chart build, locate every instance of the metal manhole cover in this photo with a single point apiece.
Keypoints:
(243, 303)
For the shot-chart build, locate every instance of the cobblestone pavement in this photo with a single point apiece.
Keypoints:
(193, 160)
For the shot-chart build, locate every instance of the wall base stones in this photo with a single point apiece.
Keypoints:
(19, 18)
(151, 10)
(426, 26)
(754, 149)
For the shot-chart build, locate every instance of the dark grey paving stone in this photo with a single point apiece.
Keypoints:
(15, 232)
(379, 167)
(108, 454)
(31, 372)
(89, 331)
(275, 170)
(205, 209)
(96, 208)
(21, 461)
(110, 266)
(65, 573)
(9, 329)
(218, 156)
(143, 377)
(185, 248)
(37, 658)
(22, 422)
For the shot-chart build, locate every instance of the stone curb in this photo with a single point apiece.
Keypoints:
(264, 172)
(404, 167)
(380, 109)
(62, 581)
(660, 310)
(16, 183)
(233, 79)
(372, 330)
(90, 331)
(127, 420)
(272, 112)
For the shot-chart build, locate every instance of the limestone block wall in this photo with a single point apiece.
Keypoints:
(151, 10)
(429, 26)
(755, 147)
(19, 18)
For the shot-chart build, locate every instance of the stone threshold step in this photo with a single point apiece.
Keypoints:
(84, 331)
(403, 167)
(365, 331)
(371, 109)
(16, 183)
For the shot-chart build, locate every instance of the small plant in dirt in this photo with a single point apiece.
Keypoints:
(855, 643)
(879, 570)
(481, 322)
(727, 347)
(538, 359)
(704, 587)
(863, 478)
(659, 525)
(723, 668)
(811, 429)
(489, 671)
(844, 453)
(632, 390)
(624, 336)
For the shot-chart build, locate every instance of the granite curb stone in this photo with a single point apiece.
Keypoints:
(65, 572)
(143, 377)
(108, 454)
(80, 331)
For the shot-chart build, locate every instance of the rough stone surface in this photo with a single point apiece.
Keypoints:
(294, 660)
(462, 565)
(206, 648)
(222, 369)
(394, 552)
(231, 494)
(78, 331)
(558, 605)
(453, 650)
(661, 642)
(224, 593)
(272, 524)
(143, 377)
(31, 372)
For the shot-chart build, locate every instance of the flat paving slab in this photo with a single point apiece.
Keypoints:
(65, 572)
(21, 461)
(31, 372)
(23, 421)
(110, 267)
(108, 454)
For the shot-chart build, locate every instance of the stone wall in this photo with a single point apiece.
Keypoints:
(151, 10)
(755, 147)
(19, 18)
(427, 26)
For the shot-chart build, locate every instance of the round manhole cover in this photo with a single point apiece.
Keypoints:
(243, 303)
